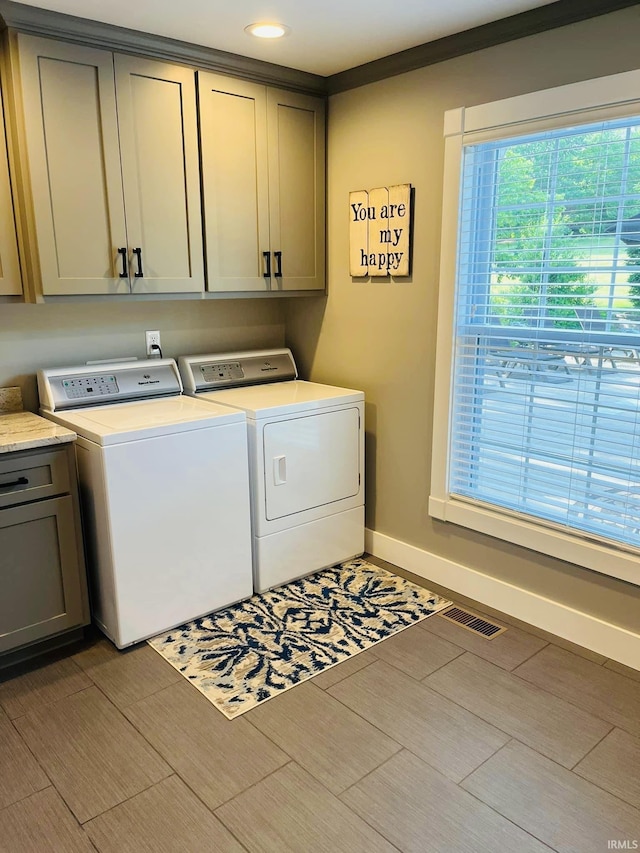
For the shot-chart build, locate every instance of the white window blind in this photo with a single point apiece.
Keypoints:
(546, 375)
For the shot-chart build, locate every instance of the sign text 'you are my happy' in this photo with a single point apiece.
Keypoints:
(379, 229)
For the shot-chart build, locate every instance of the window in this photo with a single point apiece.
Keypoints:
(539, 325)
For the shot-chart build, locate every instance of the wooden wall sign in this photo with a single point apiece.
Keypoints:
(379, 231)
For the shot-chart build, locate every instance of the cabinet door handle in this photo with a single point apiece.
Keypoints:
(125, 266)
(138, 253)
(267, 262)
(21, 481)
(278, 257)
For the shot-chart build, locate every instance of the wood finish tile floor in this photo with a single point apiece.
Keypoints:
(432, 741)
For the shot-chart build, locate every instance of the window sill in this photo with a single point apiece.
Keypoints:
(599, 557)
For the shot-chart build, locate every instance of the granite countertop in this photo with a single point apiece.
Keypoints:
(24, 431)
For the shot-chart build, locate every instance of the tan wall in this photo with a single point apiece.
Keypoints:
(50, 335)
(381, 337)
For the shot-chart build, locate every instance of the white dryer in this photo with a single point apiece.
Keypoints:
(306, 459)
(165, 493)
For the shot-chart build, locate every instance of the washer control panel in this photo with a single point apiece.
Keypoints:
(85, 387)
(92, 385)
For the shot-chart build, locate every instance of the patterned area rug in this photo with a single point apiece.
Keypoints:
(254, 650)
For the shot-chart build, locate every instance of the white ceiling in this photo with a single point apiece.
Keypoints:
(327, 36)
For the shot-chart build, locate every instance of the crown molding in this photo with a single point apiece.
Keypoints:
(42, 22)
(532, 22)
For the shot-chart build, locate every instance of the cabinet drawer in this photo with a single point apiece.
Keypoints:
(33, 476)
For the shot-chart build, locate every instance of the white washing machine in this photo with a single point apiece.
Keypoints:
(165, 493)
(306, 459)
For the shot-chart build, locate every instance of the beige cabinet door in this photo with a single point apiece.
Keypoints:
(233, 134)
(296, 146)
(73, 160)
(10, 280)
(39, 572)
(156, 105)
(263, 173)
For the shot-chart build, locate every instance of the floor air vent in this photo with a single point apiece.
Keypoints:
(473, 622)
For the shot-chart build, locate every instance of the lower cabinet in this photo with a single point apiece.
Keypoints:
(42, 570)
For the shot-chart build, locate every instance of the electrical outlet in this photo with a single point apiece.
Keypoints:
(152, 340)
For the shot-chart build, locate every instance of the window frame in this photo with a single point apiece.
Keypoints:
(585, 102)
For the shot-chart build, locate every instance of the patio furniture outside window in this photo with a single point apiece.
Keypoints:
(539, 325)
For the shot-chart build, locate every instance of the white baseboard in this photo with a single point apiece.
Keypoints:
(585, 630)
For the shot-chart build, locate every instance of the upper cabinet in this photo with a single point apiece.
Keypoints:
(109, 151)
(263, 174)
(10, 281)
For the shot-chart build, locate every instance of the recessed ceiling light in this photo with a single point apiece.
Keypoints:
(267, 31)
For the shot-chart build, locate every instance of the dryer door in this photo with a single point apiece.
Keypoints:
(311, 461)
